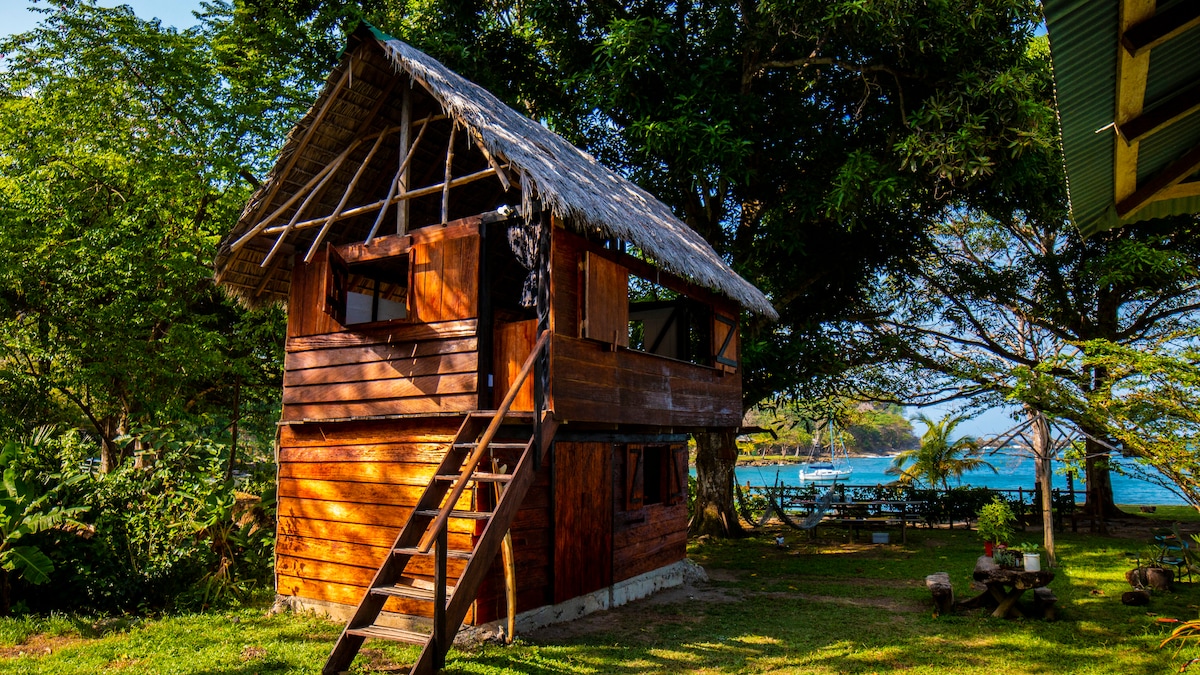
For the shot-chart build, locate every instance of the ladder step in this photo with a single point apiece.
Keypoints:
(478, 477)
(497, 446)
(450, 553)
(466, 515)
(388, 633)
(521, 415)
(411, 592)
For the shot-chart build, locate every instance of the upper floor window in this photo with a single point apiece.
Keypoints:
(367, 292)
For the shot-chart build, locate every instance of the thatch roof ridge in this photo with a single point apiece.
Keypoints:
(586, 195)
(574, 185)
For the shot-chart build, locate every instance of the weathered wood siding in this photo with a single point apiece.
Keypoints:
(646, 538)
(345, 490)
(513, 342)
(593, 382)
(583, 500)
(389, 370)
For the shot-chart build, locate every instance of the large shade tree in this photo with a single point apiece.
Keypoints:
(126, 149)
(812, 143)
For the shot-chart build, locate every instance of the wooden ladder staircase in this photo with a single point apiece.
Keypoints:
(425, 534)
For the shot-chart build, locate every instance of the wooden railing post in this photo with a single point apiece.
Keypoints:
(440, 632)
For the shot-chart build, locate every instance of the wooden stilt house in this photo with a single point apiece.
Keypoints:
(488, 333)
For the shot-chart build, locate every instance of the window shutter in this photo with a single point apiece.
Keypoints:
(336, 274)
(677, 474)
(606, 301)
(635, 494)
(725, 343)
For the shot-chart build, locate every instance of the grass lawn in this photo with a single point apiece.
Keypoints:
(815, 607)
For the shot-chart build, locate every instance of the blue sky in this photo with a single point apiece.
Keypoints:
(15, 17)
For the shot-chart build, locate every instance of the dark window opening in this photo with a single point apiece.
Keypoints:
(652, 474)
(369, 292)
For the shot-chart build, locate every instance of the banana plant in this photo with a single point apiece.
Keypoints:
(28, 508)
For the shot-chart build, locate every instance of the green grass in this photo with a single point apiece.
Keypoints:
(819, 607)
(1185, 514)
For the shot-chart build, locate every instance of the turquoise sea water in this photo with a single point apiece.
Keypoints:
(1013, 472)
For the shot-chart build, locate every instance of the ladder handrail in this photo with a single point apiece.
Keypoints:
(472, 462)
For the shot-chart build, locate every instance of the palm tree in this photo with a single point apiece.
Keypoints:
(938, 459)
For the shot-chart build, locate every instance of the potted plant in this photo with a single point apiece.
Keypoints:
(1149, 571)
(1006, 558)
(1030, 558)
(995, 524)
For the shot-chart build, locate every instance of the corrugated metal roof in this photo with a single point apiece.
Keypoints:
(1084, 44)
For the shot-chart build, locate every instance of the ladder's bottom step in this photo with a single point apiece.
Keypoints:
(413, 592)
(388, 633)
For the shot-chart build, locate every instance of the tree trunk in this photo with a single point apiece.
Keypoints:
(716, 457)
(1043, 473)
(1099, 503)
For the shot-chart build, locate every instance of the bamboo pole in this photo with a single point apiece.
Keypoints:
(401, 172)
(368, 208)
(500, 173)
(401, 182)
(345, 198)
(449, 174)
(508, 559)
(337, 89)
(283, 233)
(319, 176)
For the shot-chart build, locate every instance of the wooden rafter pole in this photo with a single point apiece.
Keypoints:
(1159, 28)
(1132, 72)
(368, 208)
(1154, 188)
(397, 186)
(291, 162)
(321, 176)
(449, 174)
(401, 181)
(287, 229)
(500, 173)
(345, 198)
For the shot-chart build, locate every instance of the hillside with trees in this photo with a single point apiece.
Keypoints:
(865, 429)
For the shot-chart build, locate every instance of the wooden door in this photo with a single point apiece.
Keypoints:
(512, 345)
(583, 516)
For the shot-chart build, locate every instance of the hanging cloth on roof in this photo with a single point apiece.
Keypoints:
(523, 239)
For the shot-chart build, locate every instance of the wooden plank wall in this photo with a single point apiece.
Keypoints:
(583, 546)
(647, 538)
(591, 383)
(306, 302)
(345, 490)
(395, 369)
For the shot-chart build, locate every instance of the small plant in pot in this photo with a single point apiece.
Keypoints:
(1031, 559)
(995, 524)
(1150, 572)
(1006, 557)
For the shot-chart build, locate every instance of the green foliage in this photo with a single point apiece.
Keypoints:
(123, 151)
(939, 459)
(995, 522)
(172, 532)
(27, 507)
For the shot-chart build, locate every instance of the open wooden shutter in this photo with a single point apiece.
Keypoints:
(725, 342)
(635, 489)
(336, 280)
(606, 301)
(677, 474)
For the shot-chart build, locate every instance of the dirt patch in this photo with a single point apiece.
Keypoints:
(39, 645)
(646, 612)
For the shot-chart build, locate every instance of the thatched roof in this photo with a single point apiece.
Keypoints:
(588, 197)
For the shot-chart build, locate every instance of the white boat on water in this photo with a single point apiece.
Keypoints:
(826, 464)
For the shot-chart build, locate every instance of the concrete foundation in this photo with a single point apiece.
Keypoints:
(616, 595)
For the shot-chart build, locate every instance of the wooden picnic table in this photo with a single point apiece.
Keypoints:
(859, 514)
(1004, 587)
